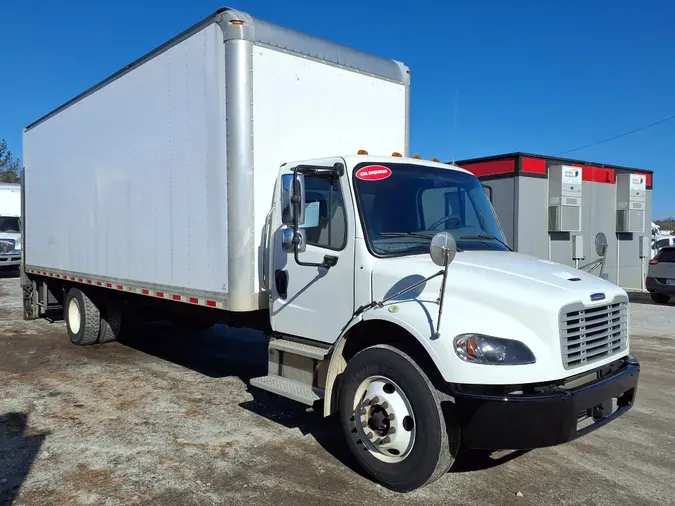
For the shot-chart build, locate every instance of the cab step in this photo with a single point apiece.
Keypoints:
(298, 348)
(289, 388)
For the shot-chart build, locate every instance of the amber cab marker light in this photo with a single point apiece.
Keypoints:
(362, 152)
(237, 22)
(434, 160)
(396, 154)
(416, 157)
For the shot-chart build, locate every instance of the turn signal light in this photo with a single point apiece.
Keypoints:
(362, 152)
(396, 154)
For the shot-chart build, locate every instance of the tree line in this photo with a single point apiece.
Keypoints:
(10, 167)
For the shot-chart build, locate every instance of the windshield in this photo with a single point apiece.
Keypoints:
(403, 206)
(9, 224)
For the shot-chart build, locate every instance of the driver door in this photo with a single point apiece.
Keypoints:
(315, 302)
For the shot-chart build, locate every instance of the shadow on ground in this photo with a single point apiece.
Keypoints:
(18, 451)
(218, 352)
(9, 273)
(645, 298)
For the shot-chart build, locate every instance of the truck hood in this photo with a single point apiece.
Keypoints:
(501, 294)
(474, 272)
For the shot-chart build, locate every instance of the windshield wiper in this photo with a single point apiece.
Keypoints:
(483, 237)
(407, 234)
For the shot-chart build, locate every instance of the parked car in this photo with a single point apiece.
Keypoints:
(661, 275)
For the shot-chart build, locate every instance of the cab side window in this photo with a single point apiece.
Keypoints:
(323, 195)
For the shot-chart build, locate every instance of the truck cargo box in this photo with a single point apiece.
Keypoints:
(160, 177)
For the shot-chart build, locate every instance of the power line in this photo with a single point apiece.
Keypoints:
(616, 136)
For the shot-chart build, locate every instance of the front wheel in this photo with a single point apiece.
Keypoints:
(393, 421)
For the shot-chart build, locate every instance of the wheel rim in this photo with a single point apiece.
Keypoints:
(74, 320)
(385, 422)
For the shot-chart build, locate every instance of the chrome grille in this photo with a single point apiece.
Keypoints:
(7, 245)
(589, 334)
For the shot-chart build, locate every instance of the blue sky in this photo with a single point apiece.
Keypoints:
(536, 76)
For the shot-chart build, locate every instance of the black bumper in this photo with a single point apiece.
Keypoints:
(536, 420)
(659, 285)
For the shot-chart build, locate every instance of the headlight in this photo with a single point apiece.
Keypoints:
(482, 349)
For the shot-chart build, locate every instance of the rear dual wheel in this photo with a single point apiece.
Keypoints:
(393, 421)
(88, 322)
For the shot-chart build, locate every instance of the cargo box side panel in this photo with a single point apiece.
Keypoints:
(130, 181)
(304, 109)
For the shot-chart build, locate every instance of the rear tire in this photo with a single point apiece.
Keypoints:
(111, 323)
(382, 381)
(659, 298)
(83, 320)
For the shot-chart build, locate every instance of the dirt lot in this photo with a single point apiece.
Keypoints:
(168, 420)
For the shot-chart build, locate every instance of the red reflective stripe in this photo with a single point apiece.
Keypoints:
(194, 300)
(145, 292)
(120, 287)
(89, 281)
(79, 279)
(160, 294)
(108, 285)
(99, 283)
(211, 303)
(176, 297)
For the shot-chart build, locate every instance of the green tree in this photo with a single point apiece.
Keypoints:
(9, 167)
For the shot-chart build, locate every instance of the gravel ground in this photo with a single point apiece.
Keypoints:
(168, 420)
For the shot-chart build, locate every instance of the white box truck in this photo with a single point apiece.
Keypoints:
(249, 174)
(10, 226)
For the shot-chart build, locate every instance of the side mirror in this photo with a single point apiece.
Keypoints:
(293, 199)
(443, 249)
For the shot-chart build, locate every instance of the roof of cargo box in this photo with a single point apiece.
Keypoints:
(270, 35)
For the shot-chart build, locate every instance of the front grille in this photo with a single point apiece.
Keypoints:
(589, 334)
(7, 245)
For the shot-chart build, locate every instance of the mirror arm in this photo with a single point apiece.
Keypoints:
(441, 298)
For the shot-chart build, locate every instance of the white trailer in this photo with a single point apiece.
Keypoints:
(10, 226)
(249, 174)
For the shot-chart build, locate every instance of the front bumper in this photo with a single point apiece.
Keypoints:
(535, 420)
(10, 260)
(659, 285)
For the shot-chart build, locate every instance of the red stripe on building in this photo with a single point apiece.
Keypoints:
(491, 168)
(533, 165)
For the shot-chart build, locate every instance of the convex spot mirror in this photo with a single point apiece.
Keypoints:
(443, 249)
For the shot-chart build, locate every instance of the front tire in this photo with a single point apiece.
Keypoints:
(384, 389)
(659, 298)
(83, 320)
